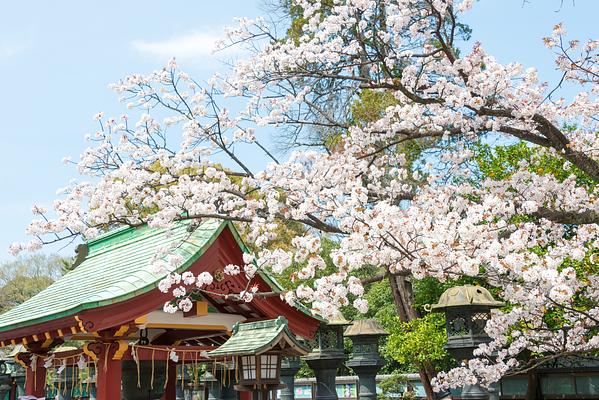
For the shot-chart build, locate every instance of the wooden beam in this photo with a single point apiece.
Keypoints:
(161, 353)
(199, 309)
(190, 326)
(80, 324)
(40, 347)
(123, 345)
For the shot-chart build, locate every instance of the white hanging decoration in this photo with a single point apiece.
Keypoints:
(49, 362)
(33, 364)
(62, 367)
(81, 363)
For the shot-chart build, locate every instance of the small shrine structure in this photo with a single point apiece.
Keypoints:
(258, 349)
(128, 348)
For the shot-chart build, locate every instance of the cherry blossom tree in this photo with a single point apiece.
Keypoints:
(182, 153)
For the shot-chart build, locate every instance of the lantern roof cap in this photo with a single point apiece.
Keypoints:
(338, 319)
(366, 327)
(466, 295)
(255, 338)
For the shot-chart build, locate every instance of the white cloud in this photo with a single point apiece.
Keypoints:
(193, 46)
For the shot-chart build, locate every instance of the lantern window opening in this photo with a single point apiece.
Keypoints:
(479, 322)
(458, 326)
(268, 366)
(329, 339)
(260, 368)
(248, 367)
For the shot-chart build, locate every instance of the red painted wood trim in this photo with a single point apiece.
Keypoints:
(64, 323)
(245, 395)
(13, 391)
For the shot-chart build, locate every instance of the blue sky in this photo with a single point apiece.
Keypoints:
(57, 58)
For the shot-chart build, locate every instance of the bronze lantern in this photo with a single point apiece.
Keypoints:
(467, 309)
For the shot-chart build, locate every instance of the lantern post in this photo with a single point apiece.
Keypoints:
(289, 367)
(365, 360)
(467, 309)
(5, 378)
(327, 355)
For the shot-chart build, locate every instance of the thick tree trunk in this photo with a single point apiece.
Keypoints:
(403, 299)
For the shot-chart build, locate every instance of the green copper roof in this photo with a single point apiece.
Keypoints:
(254, 338)
(116, 268)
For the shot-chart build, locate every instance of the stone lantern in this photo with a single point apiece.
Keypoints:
(467, 309)
(289, 367)
(5, 378)
(18, 380)
(327, 355)
(366, 361)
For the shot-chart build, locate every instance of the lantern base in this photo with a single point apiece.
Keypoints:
(254, 388)
(325, 371)
(462, 347)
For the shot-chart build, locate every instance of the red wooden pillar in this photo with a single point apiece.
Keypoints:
(170, 392)
(108, 381)
(245, 395)
(35, 382)
(13, 390)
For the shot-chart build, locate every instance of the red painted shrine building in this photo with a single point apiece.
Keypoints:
(110, 308)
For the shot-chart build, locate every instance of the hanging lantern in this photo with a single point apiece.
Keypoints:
(143, 337)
